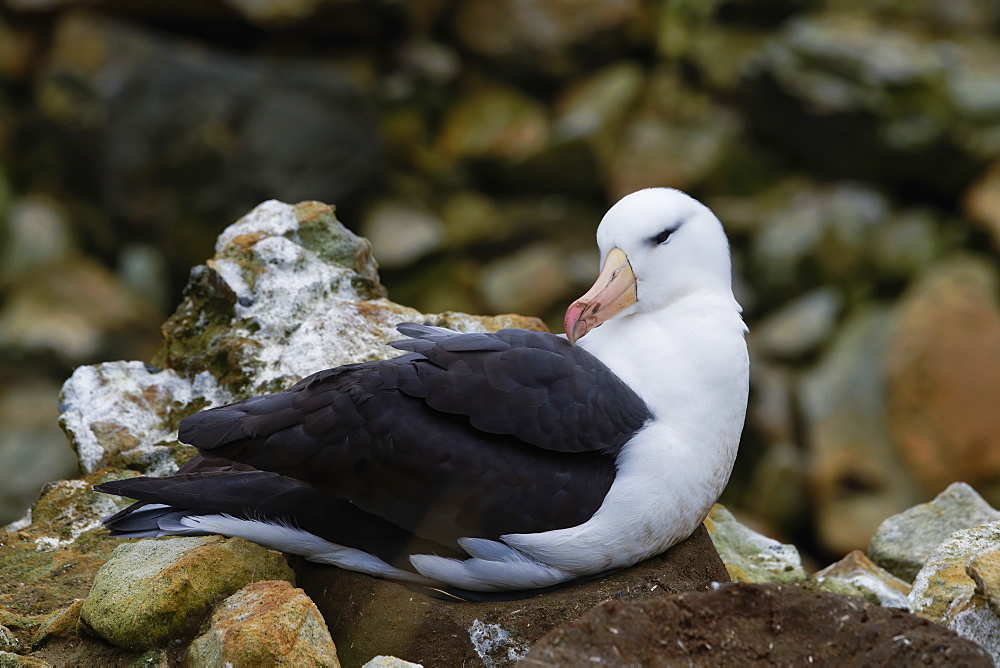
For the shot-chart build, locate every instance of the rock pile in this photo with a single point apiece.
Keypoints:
(247, 317)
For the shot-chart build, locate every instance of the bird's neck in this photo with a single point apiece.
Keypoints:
(687, 360)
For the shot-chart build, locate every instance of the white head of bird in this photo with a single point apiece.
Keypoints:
(657, 246)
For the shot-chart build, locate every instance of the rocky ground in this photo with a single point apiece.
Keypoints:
(927, 591)
(851, 148)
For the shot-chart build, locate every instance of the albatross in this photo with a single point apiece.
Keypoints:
(497, 462)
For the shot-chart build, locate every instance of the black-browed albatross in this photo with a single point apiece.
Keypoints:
(494, 462)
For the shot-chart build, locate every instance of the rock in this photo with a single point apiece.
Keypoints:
(535, 35)
(816, 229)
(981, 203)
(748, 624)
(801, 326)
(825, 85)
(750, 556)
(35, 235)
(153, 592)
(62, 623)
(904, 541)
(390, 662)
(941, 386)
(676, 138)
(528, 281)
(289, 292)
(125, 414)
(495, 123)
(10, 660)
(30, 444)
(275, 12)
(594, 108)
(984, 569)
(401, 233)
(471, 217)
(856, 477)
(368, 616)
(184, 137)
(74, 311)
(8, 641)
(944, 593)
(856, 574)
(265, 623)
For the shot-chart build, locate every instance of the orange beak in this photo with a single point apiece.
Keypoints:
(614, 291)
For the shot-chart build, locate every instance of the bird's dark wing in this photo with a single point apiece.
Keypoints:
(369, 434)
(535, 386)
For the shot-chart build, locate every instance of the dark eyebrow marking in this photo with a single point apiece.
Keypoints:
(664, 235)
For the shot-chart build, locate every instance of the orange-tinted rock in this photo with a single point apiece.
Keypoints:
(942, 384)
(264, 624)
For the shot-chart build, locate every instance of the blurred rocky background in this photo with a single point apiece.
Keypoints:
(852, 148)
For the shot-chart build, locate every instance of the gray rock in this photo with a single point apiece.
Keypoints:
(528, 281)
(677, 137)
(750, 556)
(32, 449)
(237, 129)
(536, 35)
(153, 592)
(35, 235)
(401, 233)
(801, 326)
(368, 616)
(904, 541)
(944, 593)
(825, 85)
(856, 476)
(264, 624)
(856, 574)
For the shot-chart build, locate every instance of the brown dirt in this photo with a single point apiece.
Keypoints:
(741, 624)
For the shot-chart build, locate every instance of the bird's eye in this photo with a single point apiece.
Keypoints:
(663, 236)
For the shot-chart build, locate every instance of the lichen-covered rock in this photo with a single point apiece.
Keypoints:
(125, 414)
(904, 541)
(984, 569)
(750, 556)
(856, 478)
(263, 624)
(11, 660)
(944, 593)
(942, 382)
(62, 623)
(152, 592)
(290, 291)
(368, 616)
(8, 641)
(855, 574)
